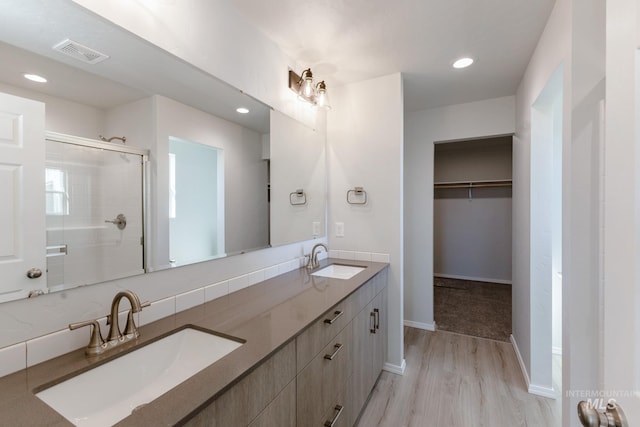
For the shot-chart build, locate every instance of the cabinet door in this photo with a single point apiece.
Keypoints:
(22, 185)
(281, 412)
(362, 363)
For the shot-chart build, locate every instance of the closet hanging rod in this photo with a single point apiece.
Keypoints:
(473, 184)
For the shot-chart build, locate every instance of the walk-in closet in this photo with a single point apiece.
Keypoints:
(472, 237)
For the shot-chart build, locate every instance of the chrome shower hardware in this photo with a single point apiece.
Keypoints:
(120, 221)
(121, 138)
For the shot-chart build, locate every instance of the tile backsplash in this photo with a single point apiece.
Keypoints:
(22, 355)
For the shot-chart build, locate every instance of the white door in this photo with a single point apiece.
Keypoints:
(22, 217)
(620, 369)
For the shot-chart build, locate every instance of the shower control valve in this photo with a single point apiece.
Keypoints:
(120, 221)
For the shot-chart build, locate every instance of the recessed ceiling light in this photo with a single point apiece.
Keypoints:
(242, 110)
(463, 63)
(35, 78)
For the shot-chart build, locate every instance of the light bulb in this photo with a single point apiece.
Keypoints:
(322, 99)
(306, 86)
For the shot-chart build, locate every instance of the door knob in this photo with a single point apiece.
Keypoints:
(34, 273)
(613, 416)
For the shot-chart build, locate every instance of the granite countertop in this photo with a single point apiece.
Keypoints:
(267, 315)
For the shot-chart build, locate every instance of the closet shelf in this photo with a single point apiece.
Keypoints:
(473, 184)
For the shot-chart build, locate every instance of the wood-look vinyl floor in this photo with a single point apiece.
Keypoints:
(454, 380)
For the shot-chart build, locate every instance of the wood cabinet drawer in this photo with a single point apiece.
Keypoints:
(323, 379)
(321, 332)
(251, 395)
(341, 412)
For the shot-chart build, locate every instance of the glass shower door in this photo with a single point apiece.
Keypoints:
(94, 207)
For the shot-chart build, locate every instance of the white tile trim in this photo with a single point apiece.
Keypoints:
(189, 299)
(14, 358)
(216, 291)
(56, 344)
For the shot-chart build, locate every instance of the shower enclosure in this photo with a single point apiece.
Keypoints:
(95, 211)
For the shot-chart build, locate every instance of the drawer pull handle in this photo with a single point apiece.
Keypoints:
(337, 314)
(377, 314)
(372, 318)
(337, 348)
(331, 423)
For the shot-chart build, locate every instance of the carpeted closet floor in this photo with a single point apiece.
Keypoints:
(478, 309)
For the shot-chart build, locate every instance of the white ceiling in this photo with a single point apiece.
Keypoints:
(345, 41)
(135, 69)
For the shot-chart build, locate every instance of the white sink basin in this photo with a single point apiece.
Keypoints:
(108, 393)
(339, 271)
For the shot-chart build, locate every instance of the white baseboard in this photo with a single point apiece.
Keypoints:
(556, 350)
(395, 369)
(542, 391)
(475, 279)
(531, 388)
(523, 368)
(418, 325)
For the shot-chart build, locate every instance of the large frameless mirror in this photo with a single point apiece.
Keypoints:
(208, 167)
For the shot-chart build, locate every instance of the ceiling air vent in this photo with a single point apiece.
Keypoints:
(80, 52)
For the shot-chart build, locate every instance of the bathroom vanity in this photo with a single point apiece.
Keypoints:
(313, 349)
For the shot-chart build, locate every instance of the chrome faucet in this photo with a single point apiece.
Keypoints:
(313, 258)
(97, 344)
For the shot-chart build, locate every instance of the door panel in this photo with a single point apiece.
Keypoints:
(22, 245)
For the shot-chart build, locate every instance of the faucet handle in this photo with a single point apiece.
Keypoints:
(96, 341)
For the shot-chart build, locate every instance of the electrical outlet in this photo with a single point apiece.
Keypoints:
(316, 228)
(339, 229)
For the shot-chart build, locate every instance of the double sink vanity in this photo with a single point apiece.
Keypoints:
(301, 349)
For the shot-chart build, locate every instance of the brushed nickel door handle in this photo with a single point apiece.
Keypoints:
(337, 348)
(372, 318)
(331, 423)
(613, 416)
(377, 315)
(337, 315)
(34, 273)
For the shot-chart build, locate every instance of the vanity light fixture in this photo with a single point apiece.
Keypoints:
(35, 78)
(463, 62)
(242, 110)
(303, 86)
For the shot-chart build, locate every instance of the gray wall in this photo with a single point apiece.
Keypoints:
(472, 237)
